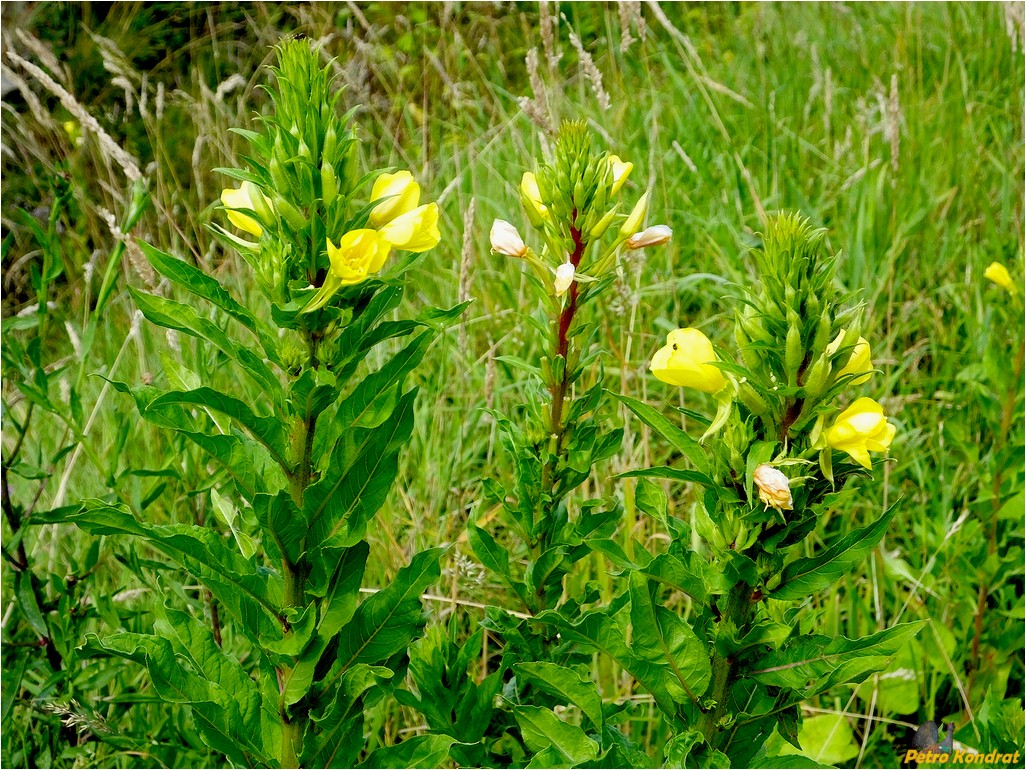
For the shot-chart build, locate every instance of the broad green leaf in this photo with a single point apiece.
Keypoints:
(542, 729)
(566, 684)
(251, 596)
(666, 568)
(27, 603)
(494, 558)
(804, 577)
(174, 315)
(340, 505)
(665, 472)
(269, 431)
(281, 520)
(661, 636)
(825, 738)
(356, 407)
(229, 515)
(814, 664)
(338, 739)
(388, 621)
(202, 285)
(216, 710)
(678, 438)
(420, 751)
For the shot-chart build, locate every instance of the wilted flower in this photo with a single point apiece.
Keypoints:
(650, 236)
(416, 230)
(860, 361)
(531, 197)
(633, 222)
(359, 254)
(564, 277)
(774, 487)
(248, 196)
(998, 273)
(401, 194)
(621, 171)
(861, 429)
(685, 361)
(506, 240)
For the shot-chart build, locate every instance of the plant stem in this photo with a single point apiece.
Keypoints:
(725, 669)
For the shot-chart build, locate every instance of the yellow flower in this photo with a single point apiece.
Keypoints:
(359, 254)
(621, 171)
(635, 219)
(531, 197)
(416, 230)
(860, 361)
(861, 429)
(685, 361)
(774, 487)
(248, 196)
(998, 273)
(401, 193)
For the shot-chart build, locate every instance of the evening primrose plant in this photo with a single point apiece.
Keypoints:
(729, 667)
(297, 473)
(582, 220)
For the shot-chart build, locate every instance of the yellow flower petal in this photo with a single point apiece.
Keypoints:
(416, 230)
(359, 254)
(685, 361)
(401, 194)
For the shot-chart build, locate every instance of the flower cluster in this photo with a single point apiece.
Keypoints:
(573, 202)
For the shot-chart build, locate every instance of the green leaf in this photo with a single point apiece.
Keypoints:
(494, 558)
(356, 407)
(387, 622)
(665, 472)
(27, 603)
(661, 636)
(269, 431)
(174, 315)
(338, 739)
(251, 596)
(358, 480)
(804, 577)
(542, 729)
(814, 664)
(217, 711)
(679, 439)
(419, 751)
(202, 285)
(666, 568)
(566, 684)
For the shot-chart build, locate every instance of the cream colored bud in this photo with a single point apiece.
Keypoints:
(506, 240)
(656, 235)
(564, 277)
(774, 487)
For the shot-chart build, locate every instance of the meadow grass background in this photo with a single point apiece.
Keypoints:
(899, 127)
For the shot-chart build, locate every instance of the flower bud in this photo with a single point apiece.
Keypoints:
(603, 224)
(564, 277)
(860, 361)
(620, 171)
(998, 273)
(530, 195)
(506, 240)
(859, 430)
(633, 222)
(774, 488)
(329, 183)
(651, 236)
(685, 361)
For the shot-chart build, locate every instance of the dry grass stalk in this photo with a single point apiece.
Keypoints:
(537, 106)
(466, 257)
(549, 28)
(591, 72)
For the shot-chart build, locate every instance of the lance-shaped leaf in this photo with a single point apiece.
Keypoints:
(567, 685)
(351, 491)
(248, 462)
(174, 315)
(193, 279)
(388, 621)
(666, 568)
(678, 438)
(338, 739)
(217, 712)
(661, 636)
(814, 664)
(542, 729)
(251, 596)
(419, 751)
(269, 431)
(805, 577)
(494, 557)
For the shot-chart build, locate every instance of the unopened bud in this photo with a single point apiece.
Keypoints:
(564, 277)
(633, 222)
(506, 240)
(651, 236)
